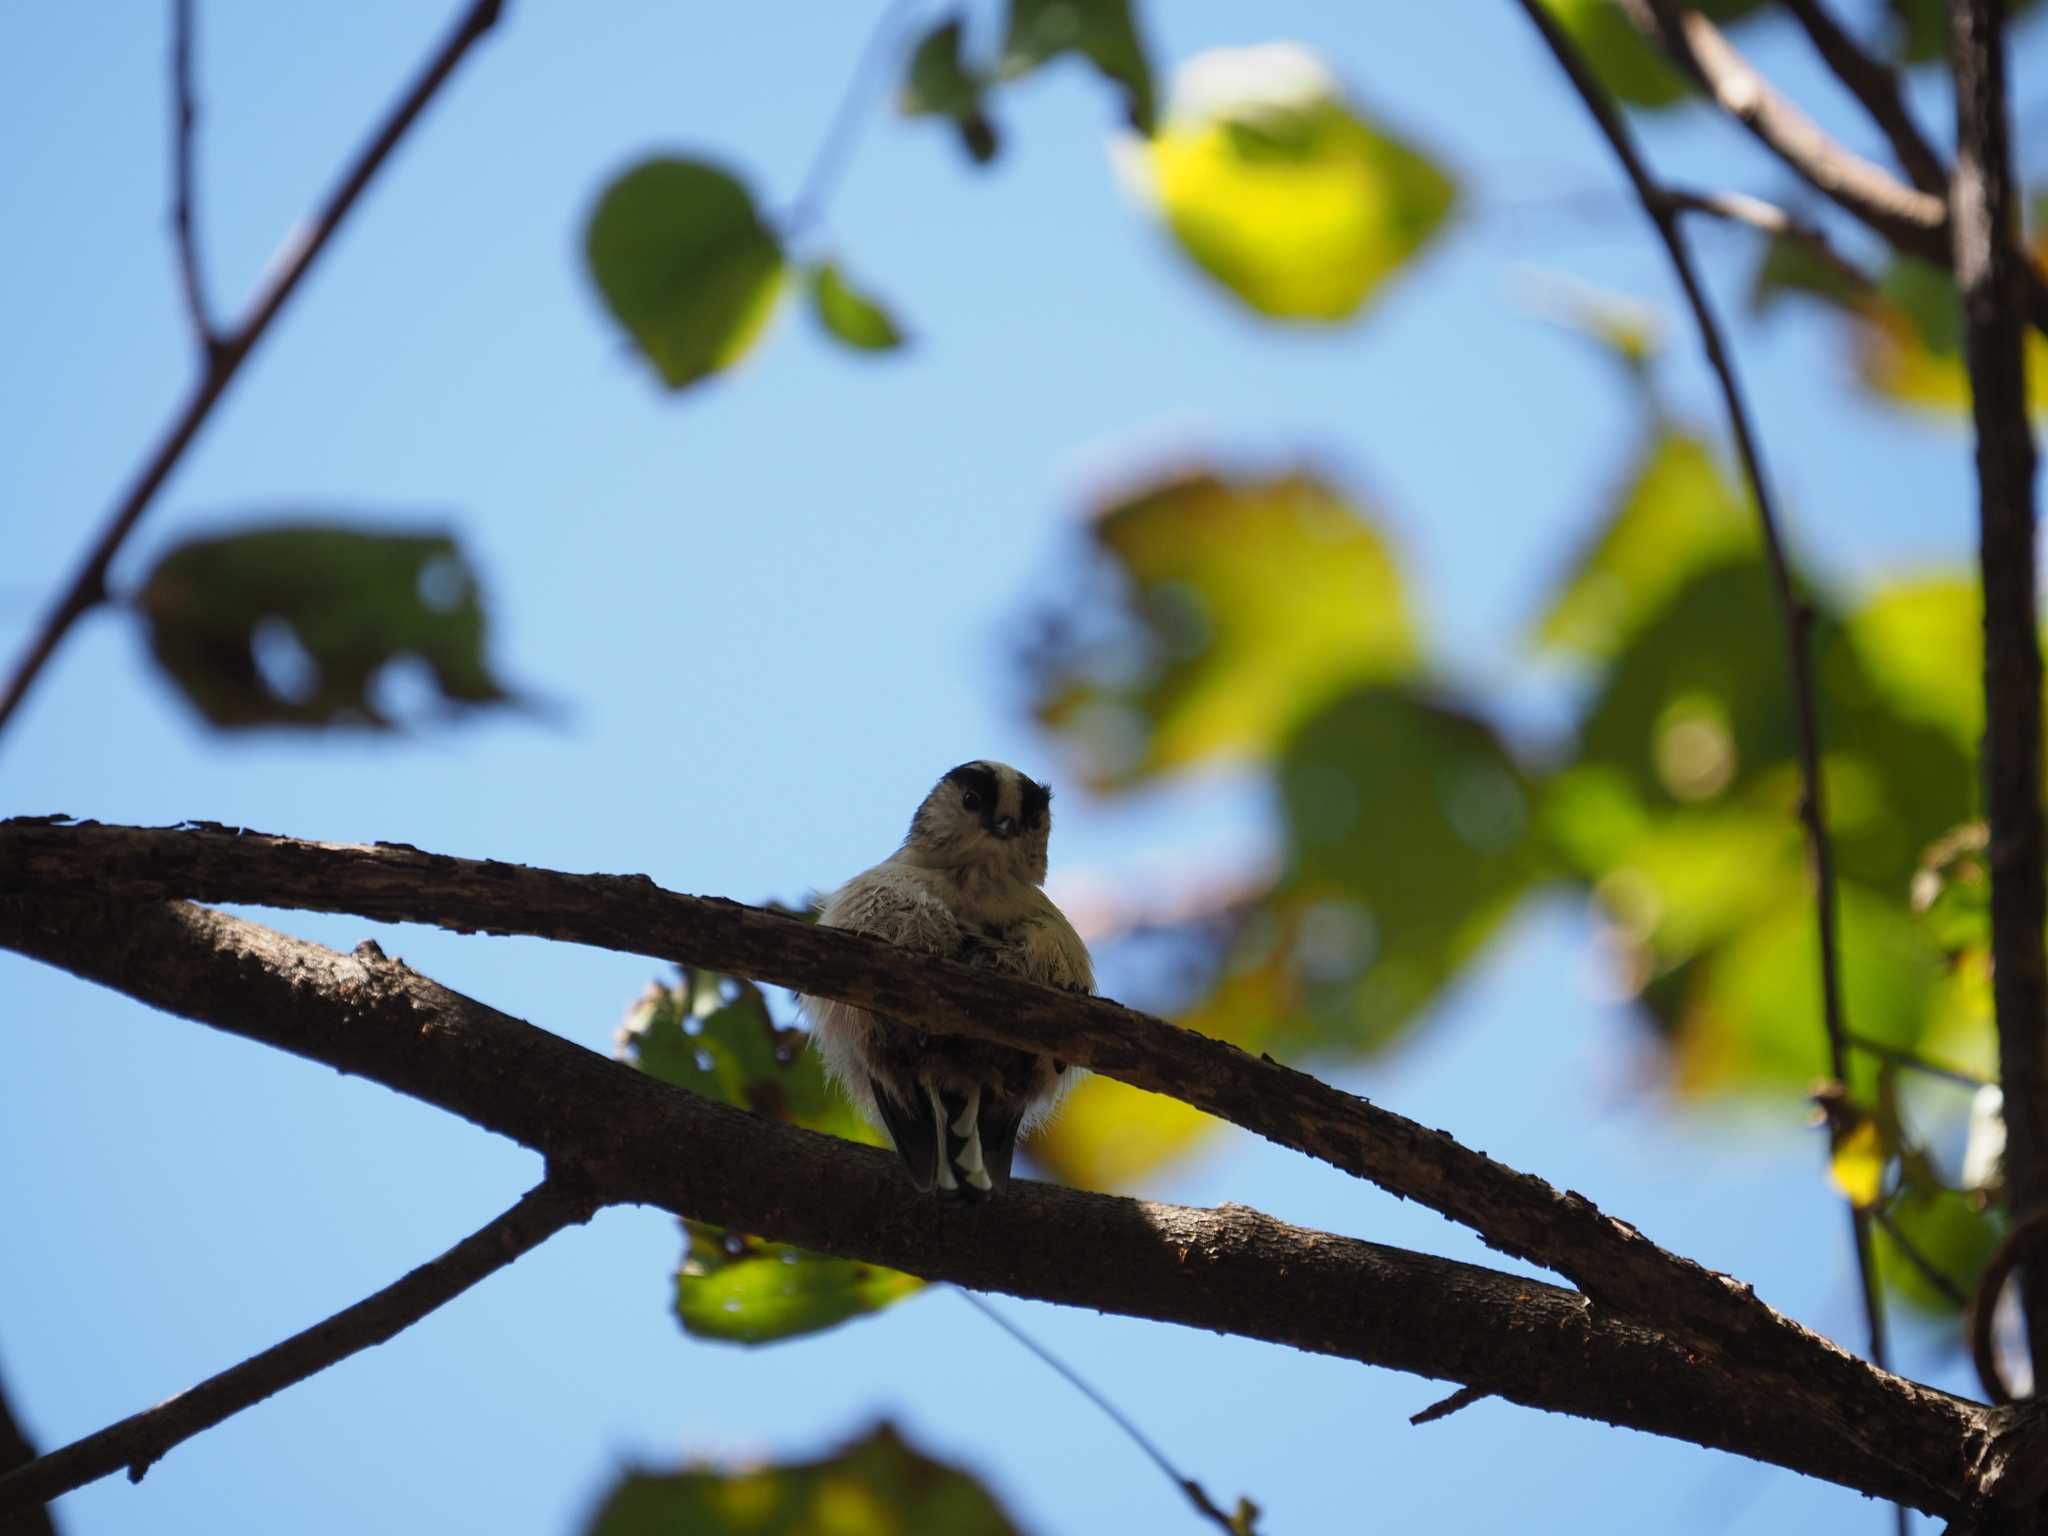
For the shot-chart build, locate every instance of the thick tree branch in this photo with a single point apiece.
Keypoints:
(1231, 1270)
(139, 1441)
(16, 1450)
(1910, 220)
(1518, 1214)
(1792, 605)
(1876, 84)
(88, 588)
(1991, 274)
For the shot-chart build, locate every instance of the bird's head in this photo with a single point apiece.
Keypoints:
(987, 815)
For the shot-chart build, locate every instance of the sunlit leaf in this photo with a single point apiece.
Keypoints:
(1922, 641)
(1101, 31)
(1676, 515)
(713, 1036)
(294, 624)
(850, 315)
(1245, 604)
(875, 1486)
(1857, 1163)
(685, 264)
(1753, 1018)
(939, 83)
(1408, 834)
(1281, 190)
(1952, 890)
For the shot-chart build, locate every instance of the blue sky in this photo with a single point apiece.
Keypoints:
(772, 611)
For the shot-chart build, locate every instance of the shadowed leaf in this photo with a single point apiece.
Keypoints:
(939, 83)
(1921, 28)
(1242, 605)
(1627, 63)
(685, 264)
(1949, 1233)
(849, 315)
(713, 1035)
(875, 1486)
(1101, 31)
(293, 625)
(1280, 190)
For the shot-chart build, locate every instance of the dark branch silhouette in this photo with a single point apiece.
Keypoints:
(631, 1138)
(88, 588)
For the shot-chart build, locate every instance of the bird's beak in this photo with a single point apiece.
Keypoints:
(1004, 826)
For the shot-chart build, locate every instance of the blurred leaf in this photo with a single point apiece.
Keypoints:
(1676, 516)
(850, 315)
(1922, 641)
(875, 1486)
(1245, 605)
(1949, 1233)
(291, 625)
(1408, 844)
(1282, 191)
(749, 1291)
(1627, 63)
(1923, 27)
(713, 1036)
(1790, 266)
(1952, 890)
(1101, 31)
(1753, 1017)
(939, 84)
(685, 263)
(1857, 1163)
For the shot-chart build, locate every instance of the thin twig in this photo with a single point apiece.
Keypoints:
(88, 588)
(139, 1441)
(1900, 1056)
(1876, 84)
(184, 123)
(844, 130)
(1444, 1407)
(1768, 218)
(1192, 1490)
(1798, 616)
(1990, 273)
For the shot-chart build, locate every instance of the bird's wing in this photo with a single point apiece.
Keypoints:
(894, 902)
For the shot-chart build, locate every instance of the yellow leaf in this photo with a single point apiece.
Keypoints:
(1857, 1165)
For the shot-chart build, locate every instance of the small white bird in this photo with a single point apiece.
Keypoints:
(965, 884)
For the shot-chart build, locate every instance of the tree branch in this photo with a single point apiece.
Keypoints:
(1876, 84)
(88, 588)
(1231, 1270)
(184, 120)
(17, 1450)
(1991, 273)
(1768, 218)
(139, 1441)
(1910, 220)
(1792, 605)
(1610, 1260)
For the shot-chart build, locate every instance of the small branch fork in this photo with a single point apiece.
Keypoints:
(1653, 1341)
(141, 1440)
(1663, 210)
(227, 352)
(1992, 274)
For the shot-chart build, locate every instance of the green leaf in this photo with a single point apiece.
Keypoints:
(686, 264)
(1247, 604)
(874, 1486)
(292, 624)
(1627, 63)
(1952, 890)
(1922, 36)
(1677, 515)
(1408, 837)
(713, 1035)
(1922, 643)
(1282, 191)
(1101, 31)
(850, 315)
(748, 1291)
(940, 84)
(1949, 1233)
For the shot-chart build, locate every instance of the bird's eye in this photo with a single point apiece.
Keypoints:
(970, 801)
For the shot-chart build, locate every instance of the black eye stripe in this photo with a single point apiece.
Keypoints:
(1036, 798)
(977, 779)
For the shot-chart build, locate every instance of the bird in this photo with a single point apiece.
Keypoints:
(965, 884)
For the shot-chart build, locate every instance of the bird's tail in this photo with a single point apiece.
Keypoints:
(959, 1141)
